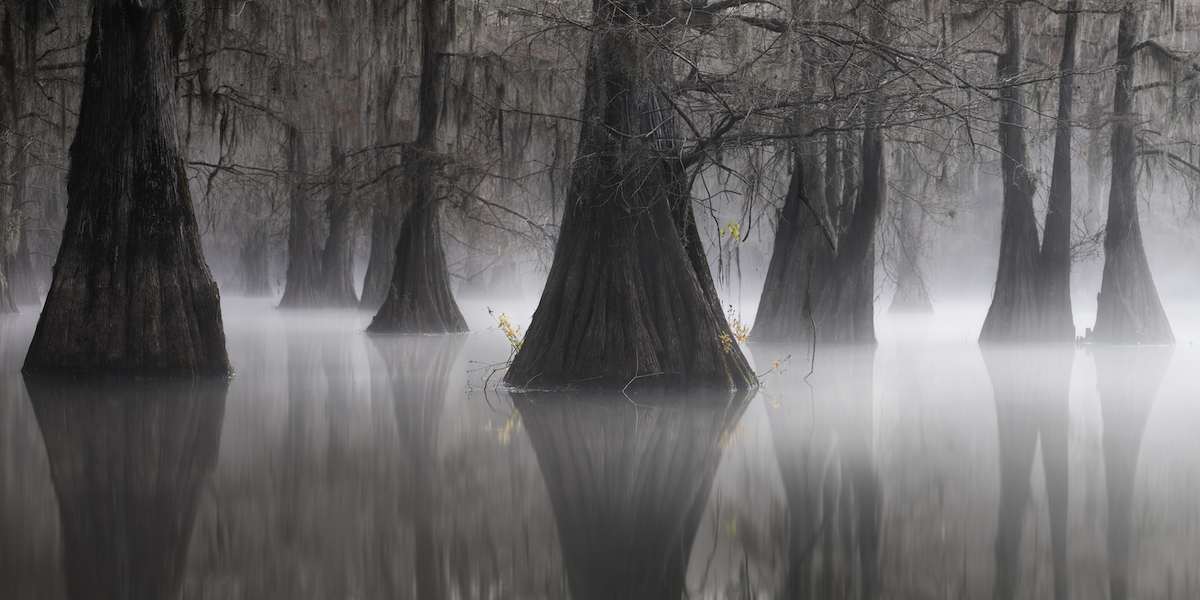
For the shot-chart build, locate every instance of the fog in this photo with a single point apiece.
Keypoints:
(353, 465)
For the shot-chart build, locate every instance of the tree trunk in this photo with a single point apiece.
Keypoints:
(846, 306)
(21, 281)
(912, 295)
(128, 465)
(20, 267)
(385, 214)
(1054, 284)
(131, 292)
(800, 261)
(256, 281)
(629, 300)
(811, 289)
(1129, 311)
(1014, 313)
(337, 259)
(304, 287)
(419, 299)
(628, 485)
(381, 263)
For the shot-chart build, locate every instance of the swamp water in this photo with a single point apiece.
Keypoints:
(341, 465)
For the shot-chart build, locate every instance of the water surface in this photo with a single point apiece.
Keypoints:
(341, 465)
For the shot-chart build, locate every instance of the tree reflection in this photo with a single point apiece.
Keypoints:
(629, 479)
(127, 461)
(420, 369)
(1031, 387)
(1127, 379)
(823, 444)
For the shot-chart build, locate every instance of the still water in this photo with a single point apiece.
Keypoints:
(341, 465)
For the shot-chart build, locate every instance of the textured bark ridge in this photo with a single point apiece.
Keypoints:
(419, 299)
(131, 293)
(629, 300)
(1127, 379)
(1129, 310)
(128, 463)
(1032, 390)
(628, 484)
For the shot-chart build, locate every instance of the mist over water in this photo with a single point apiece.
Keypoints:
(357, 466)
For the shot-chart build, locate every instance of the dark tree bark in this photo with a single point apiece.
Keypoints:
(1054, 278)
(1127, 380)
(337, 259)
(128, 464)
(629, 300)
(800, 263)
(1129, 310)
(628, 485)
(381, 262)
(304, 287)
(419, 299)
(1014, 313)
(811, 288)
(256, 281)
(131, 292)
(386, 213)
(1032, 391)
(846, 308)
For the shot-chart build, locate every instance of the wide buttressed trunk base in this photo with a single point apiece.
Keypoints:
(628, 484)
(128, 462)
(1129, 310)
(131, 293)
(420, 299)
(800, 259)
(629, 302)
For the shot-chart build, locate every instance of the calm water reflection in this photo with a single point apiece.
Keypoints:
(341, 465)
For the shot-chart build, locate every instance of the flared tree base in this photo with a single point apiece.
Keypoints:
(419, 299)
